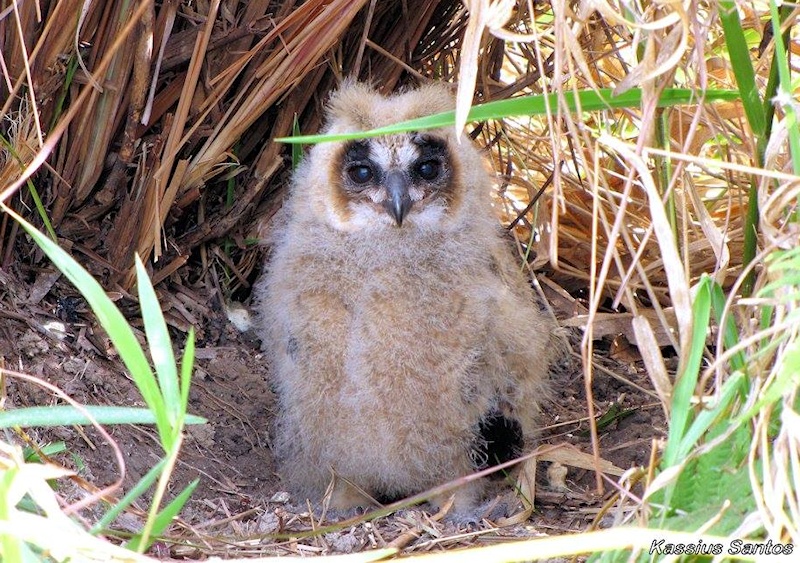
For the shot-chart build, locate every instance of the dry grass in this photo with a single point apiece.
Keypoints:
(145, 129)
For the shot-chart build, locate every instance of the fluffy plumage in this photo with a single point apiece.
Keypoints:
(406, 347)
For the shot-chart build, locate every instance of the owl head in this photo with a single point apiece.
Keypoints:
(404, 181)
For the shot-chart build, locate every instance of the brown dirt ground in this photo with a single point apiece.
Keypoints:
(239, 499)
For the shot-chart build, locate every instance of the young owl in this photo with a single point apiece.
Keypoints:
(406, 345)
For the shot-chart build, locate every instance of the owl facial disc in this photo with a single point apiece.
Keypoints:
(403, 180)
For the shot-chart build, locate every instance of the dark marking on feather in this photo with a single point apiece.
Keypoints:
(499, 439)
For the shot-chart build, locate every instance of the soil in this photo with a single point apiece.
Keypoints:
(240, 497)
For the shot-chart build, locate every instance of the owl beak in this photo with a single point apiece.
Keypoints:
(399, 202)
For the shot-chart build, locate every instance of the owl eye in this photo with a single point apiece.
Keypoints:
(429, 169)
(360, 174)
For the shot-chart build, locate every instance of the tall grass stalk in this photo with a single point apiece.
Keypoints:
(166, 392)
(758, 110)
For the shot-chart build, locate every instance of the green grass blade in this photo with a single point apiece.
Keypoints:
(34, 455)
(297, 148)
(771, 89)
(750, 242)
(107, 314)
(187, 364)
(742, 67)
(137, 491)
(164, 517)
(681, 412)
(707, 417)
(65, 415)
(58, 107)
(785, 95)
(37, 201)
(587, 100)
(10, 545)
(28, 555)
(783, 266)
(730, 334)
(787, 380)
(160, 345)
